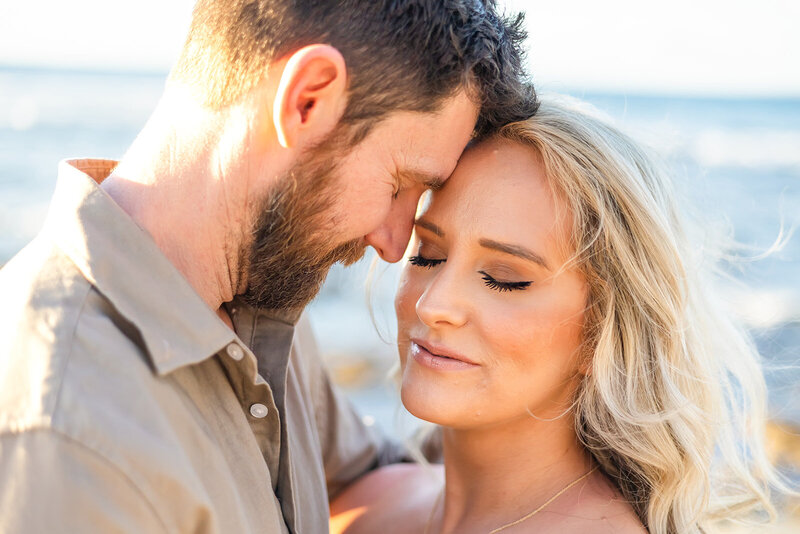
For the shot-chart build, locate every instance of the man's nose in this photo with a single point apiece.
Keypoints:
(390, 239)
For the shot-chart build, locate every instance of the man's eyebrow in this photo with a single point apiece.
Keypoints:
(514, 250)
(434, 182)
(429, 226)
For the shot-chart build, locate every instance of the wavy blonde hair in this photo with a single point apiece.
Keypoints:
(673, 408)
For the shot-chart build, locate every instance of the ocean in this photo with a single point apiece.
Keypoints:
(736, 162)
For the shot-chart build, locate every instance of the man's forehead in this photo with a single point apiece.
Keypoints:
(458, 112)
(429, 144)
(430, 164)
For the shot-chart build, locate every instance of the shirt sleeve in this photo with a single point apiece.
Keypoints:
(349, 447)
(51, 483)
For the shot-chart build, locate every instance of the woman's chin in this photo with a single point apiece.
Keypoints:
(431, 402)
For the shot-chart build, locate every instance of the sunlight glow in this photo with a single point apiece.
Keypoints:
(343, 521)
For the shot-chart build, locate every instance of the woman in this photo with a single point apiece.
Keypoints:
(553, 321)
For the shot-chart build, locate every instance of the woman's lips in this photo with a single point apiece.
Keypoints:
(442, 359)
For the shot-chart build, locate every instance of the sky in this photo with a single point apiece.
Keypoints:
(687, 47)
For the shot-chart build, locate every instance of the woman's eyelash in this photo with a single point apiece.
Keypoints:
(420, 261)
(503, 286)
(497, 285)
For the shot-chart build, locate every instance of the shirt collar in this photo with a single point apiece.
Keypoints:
(127, 267)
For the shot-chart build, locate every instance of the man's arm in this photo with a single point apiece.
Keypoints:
(51, 483)
(349, 447)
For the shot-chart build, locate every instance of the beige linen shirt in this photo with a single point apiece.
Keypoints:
(127, 405)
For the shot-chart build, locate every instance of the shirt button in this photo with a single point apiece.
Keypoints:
(258, 410)
(234, 351)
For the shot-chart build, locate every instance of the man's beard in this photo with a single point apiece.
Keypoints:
(291, 250)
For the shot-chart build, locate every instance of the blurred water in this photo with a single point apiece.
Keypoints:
(736, 160)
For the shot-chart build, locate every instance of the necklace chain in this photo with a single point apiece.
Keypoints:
(521, 519)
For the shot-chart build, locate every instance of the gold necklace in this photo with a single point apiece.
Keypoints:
(521, 519)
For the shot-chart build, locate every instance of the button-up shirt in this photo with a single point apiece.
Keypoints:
(127, 405)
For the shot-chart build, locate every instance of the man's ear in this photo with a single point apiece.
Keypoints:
(311, 95)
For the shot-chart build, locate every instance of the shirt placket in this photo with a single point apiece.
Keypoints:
(272, 342)
(270, 338)
(258, 403)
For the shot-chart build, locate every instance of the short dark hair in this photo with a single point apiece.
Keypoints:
(400, 54)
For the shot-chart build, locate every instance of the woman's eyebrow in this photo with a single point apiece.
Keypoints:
(506, 248)
(514, 250)
(429, 226)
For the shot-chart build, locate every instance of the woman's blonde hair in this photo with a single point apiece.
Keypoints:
(673, 407)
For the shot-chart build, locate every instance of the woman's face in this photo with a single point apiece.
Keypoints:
(489, 321)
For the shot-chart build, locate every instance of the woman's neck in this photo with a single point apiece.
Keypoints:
(497, 475)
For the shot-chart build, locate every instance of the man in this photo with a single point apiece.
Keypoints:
(151, 379)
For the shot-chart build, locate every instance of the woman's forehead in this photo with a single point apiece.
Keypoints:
(499, 191)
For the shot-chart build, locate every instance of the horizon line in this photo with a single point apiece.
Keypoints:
(544, 87)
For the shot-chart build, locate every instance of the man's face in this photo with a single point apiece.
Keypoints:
(337, 200)
(382, 178)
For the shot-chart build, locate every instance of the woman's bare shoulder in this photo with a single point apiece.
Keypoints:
(610, 517)
(393, 490)
(613, 522)
(598, 508)
(594, 507)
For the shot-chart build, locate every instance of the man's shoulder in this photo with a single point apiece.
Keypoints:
(57, 335)
(42, 298)
(38, 280)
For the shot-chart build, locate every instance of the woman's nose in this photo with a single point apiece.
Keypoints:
(443, 303)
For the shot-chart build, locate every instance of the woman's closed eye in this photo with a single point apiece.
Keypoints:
(502, 286)
(490, 281)
(421, 261)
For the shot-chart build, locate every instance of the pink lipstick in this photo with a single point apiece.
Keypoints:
(439, 358)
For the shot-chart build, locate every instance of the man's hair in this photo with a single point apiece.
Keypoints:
(401, 54)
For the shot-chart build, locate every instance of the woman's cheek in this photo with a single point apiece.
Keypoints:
(405, 300)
